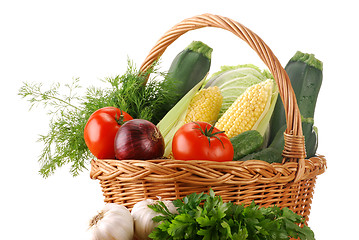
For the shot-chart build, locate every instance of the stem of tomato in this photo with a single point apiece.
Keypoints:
(209, 133)
(120, 119)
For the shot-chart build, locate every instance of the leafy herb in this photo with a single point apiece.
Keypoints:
(69, 111)
(202, 216)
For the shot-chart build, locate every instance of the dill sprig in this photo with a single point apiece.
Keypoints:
(64, 143)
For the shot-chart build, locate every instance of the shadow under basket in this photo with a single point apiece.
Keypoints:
(288, 184)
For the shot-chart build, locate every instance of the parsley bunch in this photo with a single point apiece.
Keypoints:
(207, 217)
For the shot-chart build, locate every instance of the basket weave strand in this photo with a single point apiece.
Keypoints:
(289, 184)
(128, 181)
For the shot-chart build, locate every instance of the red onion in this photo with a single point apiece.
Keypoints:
(139, 139)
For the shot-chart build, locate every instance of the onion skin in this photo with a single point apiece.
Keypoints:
(139, 139)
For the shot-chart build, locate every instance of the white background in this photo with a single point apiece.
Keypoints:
(55, 41)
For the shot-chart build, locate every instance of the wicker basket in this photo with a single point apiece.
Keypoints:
(289, 184)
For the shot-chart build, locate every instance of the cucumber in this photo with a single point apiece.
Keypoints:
(187, 69)
(305, 74)
(270, 155)
(245, 143)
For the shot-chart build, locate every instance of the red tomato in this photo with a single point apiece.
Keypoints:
(197, 141)
(100, 131)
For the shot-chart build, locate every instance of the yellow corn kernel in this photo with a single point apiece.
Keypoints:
(205, 105)
(247, 110)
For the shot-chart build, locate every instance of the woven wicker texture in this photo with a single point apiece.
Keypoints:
(289, 184)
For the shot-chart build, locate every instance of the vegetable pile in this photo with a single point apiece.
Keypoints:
(234, 115)
(199, 216)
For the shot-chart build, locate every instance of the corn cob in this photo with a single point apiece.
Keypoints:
(248, 109)
(205, 105)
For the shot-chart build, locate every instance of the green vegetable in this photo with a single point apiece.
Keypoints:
(311, 141)
(202, 216)
(69, 111)
(245, 143)
(234, 80)
(273, 153)
(305, 73)
(270, 155)
(278, 141)
(188, 68)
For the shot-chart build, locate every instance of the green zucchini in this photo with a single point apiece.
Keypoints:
(245, 143)
(305, 73)
(311, 138)
(187, 69)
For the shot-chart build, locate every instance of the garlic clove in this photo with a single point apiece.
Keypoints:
(142, 216)
(114, 222)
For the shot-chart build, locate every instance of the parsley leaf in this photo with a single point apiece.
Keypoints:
(207, 217)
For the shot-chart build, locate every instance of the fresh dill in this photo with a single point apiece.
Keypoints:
(69, 112)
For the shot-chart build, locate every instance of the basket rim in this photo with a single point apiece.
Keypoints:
(203, 172)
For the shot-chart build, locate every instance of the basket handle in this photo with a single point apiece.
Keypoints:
(294, 147)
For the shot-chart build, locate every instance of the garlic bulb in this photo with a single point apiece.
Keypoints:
(114, 222)
(142, 216)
